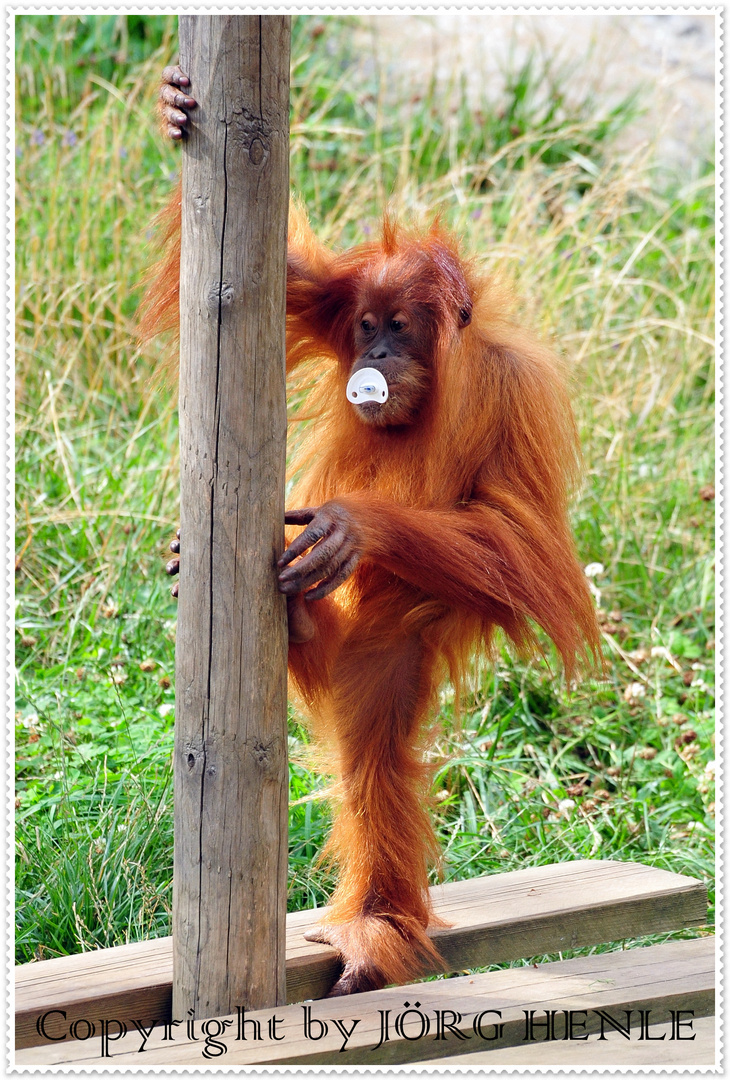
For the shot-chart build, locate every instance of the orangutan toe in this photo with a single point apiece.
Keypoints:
(359, 972)
(357, 980)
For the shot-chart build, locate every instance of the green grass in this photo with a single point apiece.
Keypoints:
(613, 258)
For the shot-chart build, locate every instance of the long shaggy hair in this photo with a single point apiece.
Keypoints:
(460, 506)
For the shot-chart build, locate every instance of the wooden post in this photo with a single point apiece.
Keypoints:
(231, 782)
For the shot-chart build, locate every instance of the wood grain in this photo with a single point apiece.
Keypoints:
(660, 1046)
(229, 890)
(679, 975)
(493, 919)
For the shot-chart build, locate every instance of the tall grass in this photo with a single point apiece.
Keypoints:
(613, 259)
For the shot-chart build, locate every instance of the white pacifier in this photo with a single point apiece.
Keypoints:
(367, 384)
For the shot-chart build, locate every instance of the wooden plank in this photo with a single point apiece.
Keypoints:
(566, 906)
(229, 889)
(433, 1020)
(493, 920)
(659, 1046)
(127, 981)
(230, 758)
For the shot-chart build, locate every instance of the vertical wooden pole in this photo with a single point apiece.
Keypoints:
(231, 782)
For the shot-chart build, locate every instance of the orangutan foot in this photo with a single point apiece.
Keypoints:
(377, 950)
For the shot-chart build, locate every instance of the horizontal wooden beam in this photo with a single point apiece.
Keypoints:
(432, 1020)
(660, 1045)
(524, 913)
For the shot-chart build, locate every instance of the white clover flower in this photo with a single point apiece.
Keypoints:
(594, 569)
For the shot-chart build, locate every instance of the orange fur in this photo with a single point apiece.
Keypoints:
(462, 519)
(160, 308)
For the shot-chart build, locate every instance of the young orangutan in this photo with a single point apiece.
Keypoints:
(435, 477)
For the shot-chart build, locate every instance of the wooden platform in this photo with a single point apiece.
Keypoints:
(659, 1049)
(504, 917)
(676, 976)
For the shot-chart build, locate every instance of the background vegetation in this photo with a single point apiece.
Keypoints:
(614, 260)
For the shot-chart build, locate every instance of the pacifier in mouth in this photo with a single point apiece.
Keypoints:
(367, 384)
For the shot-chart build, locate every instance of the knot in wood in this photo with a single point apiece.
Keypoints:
(251, 134)
(264, 755)
(220, 295)
(191, 757)
(256, 152)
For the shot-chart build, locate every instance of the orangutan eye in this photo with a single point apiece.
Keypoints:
(368, 323)
(398, 322)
